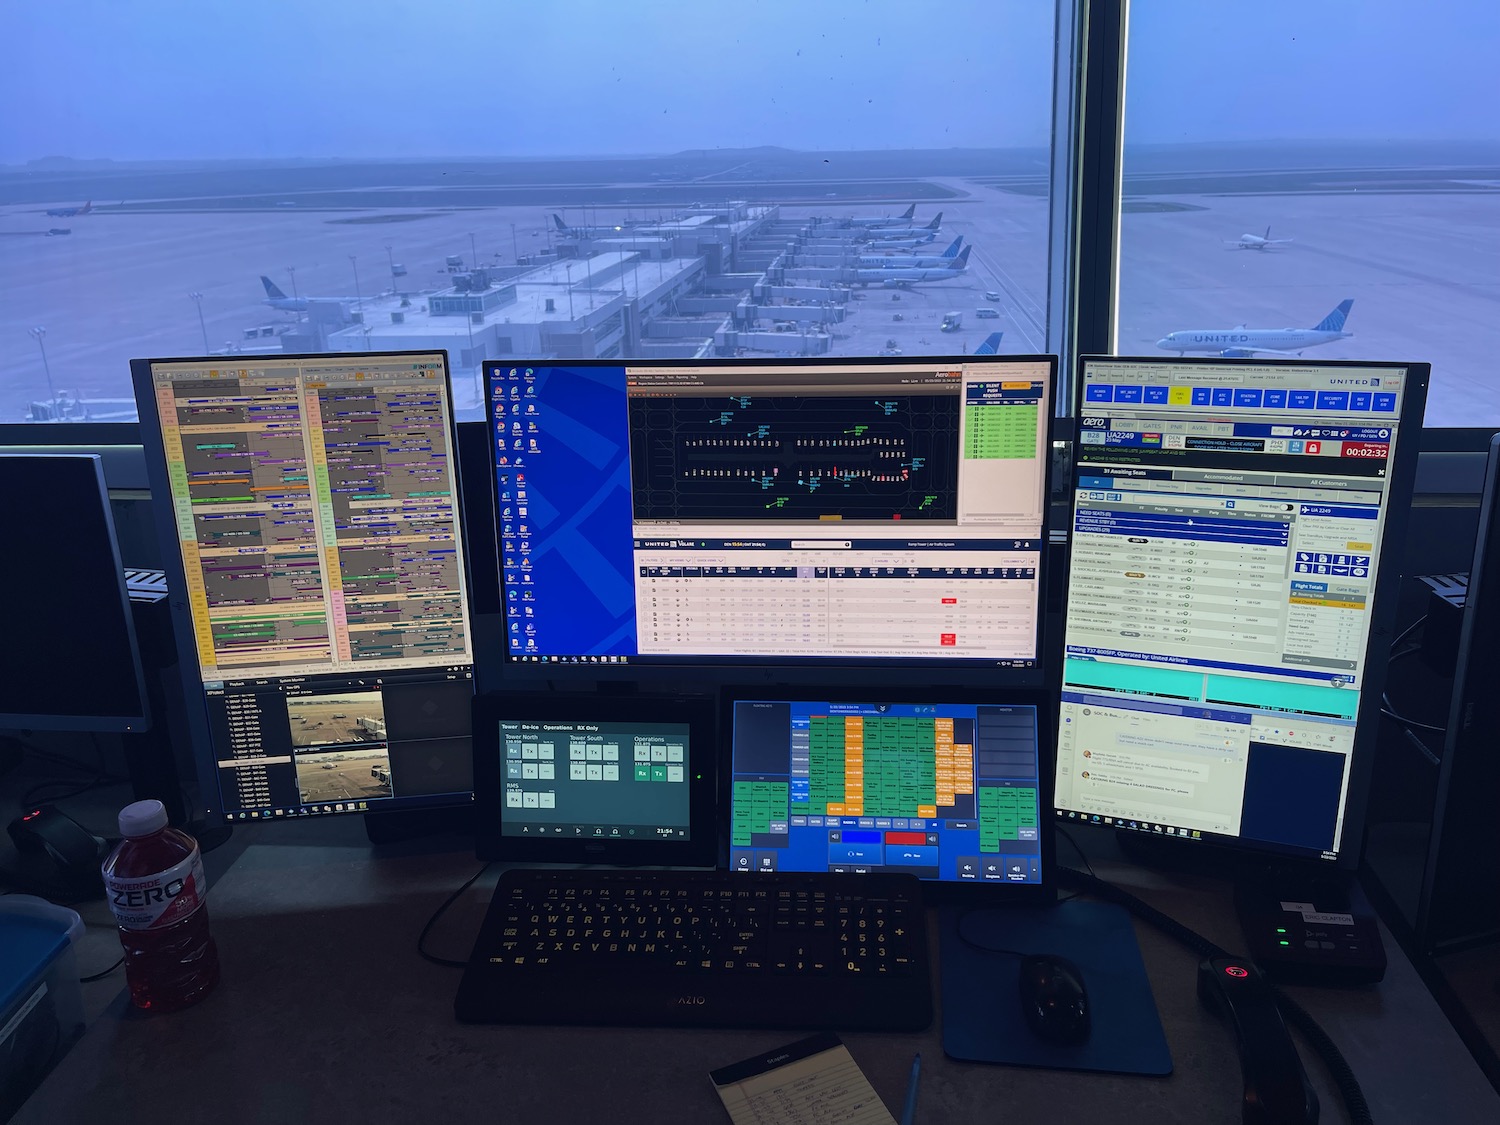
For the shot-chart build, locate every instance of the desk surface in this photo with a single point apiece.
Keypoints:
(325, 1012)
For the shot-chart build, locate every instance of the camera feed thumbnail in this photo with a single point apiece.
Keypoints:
(344, 775)
(331, 720)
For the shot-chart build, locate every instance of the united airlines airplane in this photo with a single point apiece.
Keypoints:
(883, 220)
(893, 261)
(899, 277)
(1243, 343)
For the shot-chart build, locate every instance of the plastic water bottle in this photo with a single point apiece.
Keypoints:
(156, 889)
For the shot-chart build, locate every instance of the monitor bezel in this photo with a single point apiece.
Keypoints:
(697, 712)
(934, 891)
(209, 805)
(713, 672)
(1383, 608)
(141, 718)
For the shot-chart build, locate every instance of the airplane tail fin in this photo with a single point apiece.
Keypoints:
(952, 251)
(937, 222)
(990, 345)
(557, 219)
(909, 212)
(1267, 235)
(272, 291)
(1334, 321)
(86, 208)
(962, 261)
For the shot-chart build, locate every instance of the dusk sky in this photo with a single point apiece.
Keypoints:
(183, 79)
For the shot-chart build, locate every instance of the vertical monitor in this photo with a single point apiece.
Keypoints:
(1462, 852)
(1235, 553)
(72, 660)
(943, 786)
(815, 512)
(309, 512)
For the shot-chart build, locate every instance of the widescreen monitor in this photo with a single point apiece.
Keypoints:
(309, 513)
(72, 661)
(1234, 566)
(818, 513)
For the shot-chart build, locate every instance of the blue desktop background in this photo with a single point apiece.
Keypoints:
(570, 557)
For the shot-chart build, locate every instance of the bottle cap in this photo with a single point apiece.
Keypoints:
(143, 818)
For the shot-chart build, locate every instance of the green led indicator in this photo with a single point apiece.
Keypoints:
(1281, 929)
(1284, 943)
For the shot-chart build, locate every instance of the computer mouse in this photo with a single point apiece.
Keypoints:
(1053, 1000)
(75, 852)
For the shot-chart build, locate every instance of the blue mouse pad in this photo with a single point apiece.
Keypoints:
(982, 1020)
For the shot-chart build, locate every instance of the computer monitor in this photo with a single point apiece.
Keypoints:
(698, 515)
(1463, 847)
(1234, 566)
(73, 663)
(939, 783)
(308, 508)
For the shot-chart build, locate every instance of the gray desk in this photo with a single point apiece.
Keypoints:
(326, 1013)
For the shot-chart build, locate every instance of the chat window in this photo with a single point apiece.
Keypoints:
(1186, 770)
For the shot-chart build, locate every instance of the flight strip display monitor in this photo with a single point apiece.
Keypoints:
(311, 504)
(944, 791)
(744, 512)
(1231, 525)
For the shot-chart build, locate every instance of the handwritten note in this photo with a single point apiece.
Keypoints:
(814, 1081)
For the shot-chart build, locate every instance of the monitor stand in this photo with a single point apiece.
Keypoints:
(416, 824)
(1301, 924)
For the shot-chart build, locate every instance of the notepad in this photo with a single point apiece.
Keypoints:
(814, 1081)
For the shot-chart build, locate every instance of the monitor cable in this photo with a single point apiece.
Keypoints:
(446, 962)
(1296, 1015)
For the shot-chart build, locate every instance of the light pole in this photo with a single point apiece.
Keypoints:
(474, 262)
(198, 300)
(38, 334)
(514, 242)
(292, 270)
(359, 301)
(392, 258)
(569, 268)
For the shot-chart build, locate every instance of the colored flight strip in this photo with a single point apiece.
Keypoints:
(317, 466)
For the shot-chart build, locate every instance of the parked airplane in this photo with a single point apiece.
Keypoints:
(70, 212)
(1257, 241)
(583, 232)
(279, 300)
(900, 243)
(883, 261)
(926, 232)
(991, 344)
(884, 220)
(1243, 343)
(894, 277)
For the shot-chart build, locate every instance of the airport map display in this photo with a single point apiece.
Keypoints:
(875, 511)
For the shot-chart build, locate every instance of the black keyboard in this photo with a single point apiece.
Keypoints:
(701, 949)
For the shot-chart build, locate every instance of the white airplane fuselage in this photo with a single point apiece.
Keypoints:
(1247, 339)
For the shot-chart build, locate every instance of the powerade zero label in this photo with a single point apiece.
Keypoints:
(153, 902)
